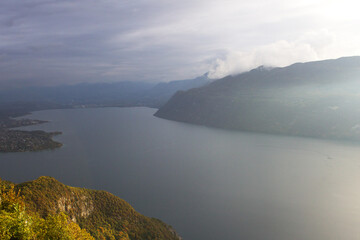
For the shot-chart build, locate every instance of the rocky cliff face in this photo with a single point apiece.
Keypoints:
(316, 99)
(82, 207)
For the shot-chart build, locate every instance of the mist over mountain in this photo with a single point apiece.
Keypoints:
(315, 99)
(162, 92)
(84, 93)
(125, 93)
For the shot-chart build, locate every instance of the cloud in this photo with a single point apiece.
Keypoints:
(311, 46)
(46, 42)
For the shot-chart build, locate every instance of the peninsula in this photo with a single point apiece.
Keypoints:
(24, 141)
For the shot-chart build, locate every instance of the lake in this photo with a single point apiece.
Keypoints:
(207, 183)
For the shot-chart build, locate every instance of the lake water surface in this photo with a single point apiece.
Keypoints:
(207, 183)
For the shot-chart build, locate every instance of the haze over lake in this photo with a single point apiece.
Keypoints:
(207, 183)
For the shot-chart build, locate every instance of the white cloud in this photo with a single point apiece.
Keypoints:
(161, 40)
(334, 108)
(311, 46)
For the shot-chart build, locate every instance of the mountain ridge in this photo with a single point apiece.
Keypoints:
(313, 99)
(125, 93)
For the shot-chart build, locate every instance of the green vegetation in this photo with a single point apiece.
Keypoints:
(18, 223)
(47, 209)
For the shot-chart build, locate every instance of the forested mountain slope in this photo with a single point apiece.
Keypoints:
(100, 213)
(316, 99)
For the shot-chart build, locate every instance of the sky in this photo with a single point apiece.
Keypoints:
(48, 42)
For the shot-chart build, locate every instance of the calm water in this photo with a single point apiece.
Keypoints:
(207, 183)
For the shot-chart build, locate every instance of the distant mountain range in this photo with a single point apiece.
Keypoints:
(100, 94)
(162, 92)
(315, 99)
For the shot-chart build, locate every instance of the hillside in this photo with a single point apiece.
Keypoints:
(315, 99)
(102, 214)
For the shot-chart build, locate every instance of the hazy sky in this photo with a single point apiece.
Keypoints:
(51, 42)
